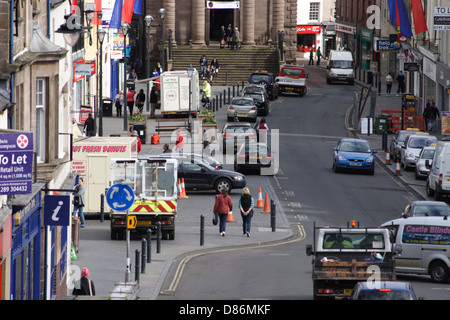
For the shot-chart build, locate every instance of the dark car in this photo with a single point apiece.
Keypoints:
(267, 79)
(236, 133)
(213, 162)
(426, 208)
(261, 102)
(383, 290)
(199, 175)
(254, 157)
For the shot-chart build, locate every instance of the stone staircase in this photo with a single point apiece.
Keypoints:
(237, 64)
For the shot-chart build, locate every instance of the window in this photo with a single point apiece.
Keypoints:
(41, 101)
(314, 10)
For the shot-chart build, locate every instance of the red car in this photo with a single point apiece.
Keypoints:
(292, 78)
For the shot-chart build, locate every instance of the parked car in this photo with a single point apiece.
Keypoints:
(292, 79)
(423, 161)
(413, 145)
(383, 290)
(199, 175)
(253, 157)
(261, 102)
(242, 107)
(255, 88)
(213, 162)
(267, 79)
(399, 140)
(235, 134)
(355, 154)
(426, 208)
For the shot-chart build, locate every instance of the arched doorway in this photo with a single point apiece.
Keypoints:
(217, 19)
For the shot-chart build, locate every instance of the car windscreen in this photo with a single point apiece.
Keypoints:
(385, 294)
(254, 96)
(420, 142)
(348, 240)
(292, 72)
(349, 146)
(257, 149)
(341, 64)
(430, 210)
(242, 102)
(428, 154)
(260, 77)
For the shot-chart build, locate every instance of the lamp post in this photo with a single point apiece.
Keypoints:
(71, 29)
(101, 36)
(162, 12)
(190, 72)
(124, 29)
(148, 22)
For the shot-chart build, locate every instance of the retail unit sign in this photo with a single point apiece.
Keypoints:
(16, 159)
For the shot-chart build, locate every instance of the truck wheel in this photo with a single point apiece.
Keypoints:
(437, 195)
(114, 235)
(172, 235)
(222, 183)
(429, 191)
(439, 272)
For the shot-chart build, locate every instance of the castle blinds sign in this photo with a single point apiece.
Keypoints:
(16, 163)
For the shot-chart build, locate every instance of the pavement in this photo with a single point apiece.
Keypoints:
(95, 236)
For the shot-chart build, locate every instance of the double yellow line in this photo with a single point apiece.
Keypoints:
(180, 269)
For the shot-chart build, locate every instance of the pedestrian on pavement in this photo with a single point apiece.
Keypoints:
(79, 201)
(246, 205)
(229, 32)
(311, 56)
(434, 115)
(89, 126)
(319, 55)
(207, 91)
(139, 143)
(179, 143)
(426, 114)
(159, 68)
(76, 132)
(166, 148)
(140, 99)
(401, 83)
(155, 73)
(223, 206)
(84, 286)
(214, 67)
(388, 84)
(236, 38)
(223, 35)
(203, 65)
(130, 100)
(153, 101)
(132, 76)
(119, 103)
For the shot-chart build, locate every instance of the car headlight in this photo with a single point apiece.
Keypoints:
(341, 158)
(370, 160)
(333, 74)
(238, 178)
(411, 155)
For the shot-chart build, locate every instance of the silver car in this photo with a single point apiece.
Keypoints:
(413, 145)
(422, 167)
(242, 108)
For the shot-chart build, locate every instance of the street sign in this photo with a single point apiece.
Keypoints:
(131, 222)
(120, 197)
(16, 163)
(57, 210)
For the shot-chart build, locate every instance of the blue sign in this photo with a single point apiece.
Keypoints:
(16, 163)
(120, 197)
(57, 210)
(387, 46)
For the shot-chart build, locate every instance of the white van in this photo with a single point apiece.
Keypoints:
(340, 67)
(438, 181)
(425, 243)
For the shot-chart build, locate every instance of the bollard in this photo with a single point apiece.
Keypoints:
(220, 100)
(229, 95)
(234, 92)
(102, 207)
(143, 259)
(273, 222)
(149, 245)
(224, 96)
(384, 140)
(158, 237)
(202, 229)
(238, 88)
(137, 266)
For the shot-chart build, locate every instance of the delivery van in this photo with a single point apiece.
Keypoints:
(425, 243)
(91, 160)
(438, 181)
(340, 67)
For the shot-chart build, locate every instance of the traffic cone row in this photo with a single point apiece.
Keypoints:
(266, 205)
(182, 189)
(398, 172)
(388, 157)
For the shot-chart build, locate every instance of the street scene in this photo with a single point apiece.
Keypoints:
(225, 158)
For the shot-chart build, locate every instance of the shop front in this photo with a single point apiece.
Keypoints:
(345, 37)
(365, 53)
(307, 37)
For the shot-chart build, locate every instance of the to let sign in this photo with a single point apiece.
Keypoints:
(441, 18)
(16, 163)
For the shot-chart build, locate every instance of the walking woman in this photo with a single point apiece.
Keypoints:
(246, 205)
(222, 206)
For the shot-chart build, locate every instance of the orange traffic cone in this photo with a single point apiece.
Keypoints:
(266, 205)
(398, 172)
(183, 190)
(230, 217)
(259, 203)
(388, 157)
(179, 189)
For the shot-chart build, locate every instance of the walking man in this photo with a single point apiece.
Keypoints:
(311, 56)
(319, 55)
(401, 83)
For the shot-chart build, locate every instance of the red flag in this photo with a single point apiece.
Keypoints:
(98, 10)
(127, 10)
(420, 25)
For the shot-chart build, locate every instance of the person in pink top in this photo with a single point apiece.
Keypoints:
(222, 206)
(130, 100)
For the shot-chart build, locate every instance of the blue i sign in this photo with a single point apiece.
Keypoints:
(56, 210)
(16, 163)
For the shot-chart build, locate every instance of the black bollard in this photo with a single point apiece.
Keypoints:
(143, 259)
(102, 207)
(273, 222)
(149, 245)
(137, 266)
(202, 229)
(158, 237)
(229, 95)
(234, 91)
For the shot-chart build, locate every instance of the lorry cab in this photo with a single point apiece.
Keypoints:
(340, 67)
(425, 243)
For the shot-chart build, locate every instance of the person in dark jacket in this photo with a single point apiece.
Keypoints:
(79, 201)
(153, 102)
(223, 206)
(140, 99)
(246, 205)
(89, 126)
(84, 286)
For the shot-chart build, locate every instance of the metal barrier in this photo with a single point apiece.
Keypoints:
(395, 123)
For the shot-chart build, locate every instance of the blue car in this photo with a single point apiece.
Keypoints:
(384, 290)
(355, 154)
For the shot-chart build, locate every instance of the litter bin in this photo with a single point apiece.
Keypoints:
(107, 107)
(381, 123)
